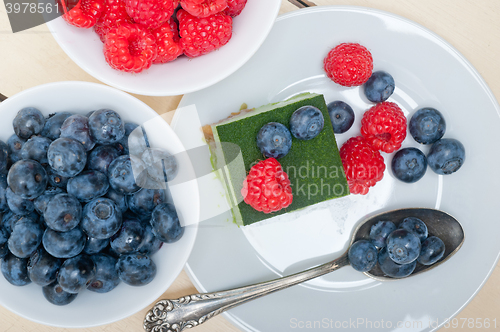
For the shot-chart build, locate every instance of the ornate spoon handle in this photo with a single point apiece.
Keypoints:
(193, 310)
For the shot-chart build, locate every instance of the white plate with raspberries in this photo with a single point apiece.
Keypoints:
(428, 72)
(164, 48)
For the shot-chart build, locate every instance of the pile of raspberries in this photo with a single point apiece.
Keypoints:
(139, 33)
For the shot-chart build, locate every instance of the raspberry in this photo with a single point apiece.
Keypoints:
(113, 16)
(130, 48)
(384, 126)
(167, 42)
(84, 14)
(349, 64)
(267, 187)
(234, 7)
(203, 35)
(203, 8)
(363, 165)
(150, 13)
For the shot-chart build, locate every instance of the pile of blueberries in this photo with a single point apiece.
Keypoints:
(275, 140)
(84, 203)
(397, 250)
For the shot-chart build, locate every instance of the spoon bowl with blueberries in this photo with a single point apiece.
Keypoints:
(388, 246)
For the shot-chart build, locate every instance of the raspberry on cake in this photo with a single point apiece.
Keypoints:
(84, 14)
(130, 48)
(349, 64)
(167, 42)
(384, 126)
(363, 165)
(203, 8)
(267, 187)
(200, 36)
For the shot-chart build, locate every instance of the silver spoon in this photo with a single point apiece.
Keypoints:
(192, 310)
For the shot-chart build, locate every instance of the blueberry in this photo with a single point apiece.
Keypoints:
(56, 180)
(94, 246)
(101, 218)
(409, 165)
(4, 237)
(274, 140)
(150, 243)
(76, 273)
(341, 116)
(67, 157)
(43, 268)
(136, 269)
(88, 185)
(129, 237)
(64, 244)
(432, 250)
(362, 255)
(123, 172)
(135, 140)
(106, 278)
(165, 223)
(15, 145)
(100, 158)
(446, 156)
(25, 238)
(306, 122)
(53, 124)
(392, 269)
(77, 128)
(56, 295)
(17, 204)
(36, 149)
(3, 191)
(119, 199)
(155, 160)
(63, 212)
(4, 157)
(28, 122)
(145, 200)
(416, 226)
(15, 270)
(7, 220)
(379, 87)
(10, 219)
(27, 179)
(427, 125)
(403, 247)
(106, 126)
(42, 200)
(380, 231)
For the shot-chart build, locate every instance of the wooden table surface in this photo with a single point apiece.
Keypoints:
(33, 57)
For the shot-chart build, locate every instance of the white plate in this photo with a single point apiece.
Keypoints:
(89, 308)
(428, 72)
(183, 75)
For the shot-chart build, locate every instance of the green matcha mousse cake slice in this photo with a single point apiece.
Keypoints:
(313, 166)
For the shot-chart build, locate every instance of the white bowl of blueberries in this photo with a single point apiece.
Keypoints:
(91, 231)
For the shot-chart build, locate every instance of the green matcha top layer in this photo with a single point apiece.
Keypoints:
(313, 167)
